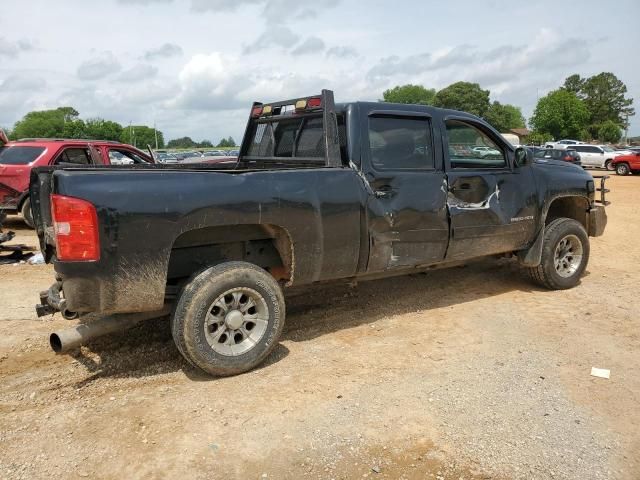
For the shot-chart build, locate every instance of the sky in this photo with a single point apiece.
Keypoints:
(194, 67)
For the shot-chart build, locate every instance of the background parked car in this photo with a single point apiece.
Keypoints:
(486, 151)
(626, 164)
(595, 156)
(561, 144)
(556, 154)
(17, 158)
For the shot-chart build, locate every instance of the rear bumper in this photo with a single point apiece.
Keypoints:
(597, 220)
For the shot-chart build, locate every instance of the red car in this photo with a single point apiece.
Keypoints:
(626, 164)
(17, 158)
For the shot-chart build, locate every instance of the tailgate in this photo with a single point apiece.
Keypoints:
(40, 190)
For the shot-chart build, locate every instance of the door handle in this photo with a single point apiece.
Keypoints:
(462, 186)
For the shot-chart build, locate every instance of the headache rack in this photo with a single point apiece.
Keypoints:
(301, 132)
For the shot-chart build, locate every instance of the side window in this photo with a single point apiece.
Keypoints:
(400, 143)
(469, 147)
(73, 156)
(124, 157)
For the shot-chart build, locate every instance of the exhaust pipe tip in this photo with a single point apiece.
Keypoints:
(68, 314)
(56, 342)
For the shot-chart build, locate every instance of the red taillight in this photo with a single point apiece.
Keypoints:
(75, 223)
(314, 102)
(568, 158)
(256, 112)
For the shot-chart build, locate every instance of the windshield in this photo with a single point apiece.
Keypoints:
(608, 149)
(14, 155)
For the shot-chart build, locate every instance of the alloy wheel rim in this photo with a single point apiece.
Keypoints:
(568, 256)
(236, 321)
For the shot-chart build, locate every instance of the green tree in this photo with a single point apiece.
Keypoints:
(205, 144)
(464, 96)
(504, 117)
(609, 132)
(183, 142)
(227, 143)
(45, 123)
(605, 97)
(560, 114)
(537, 138)
(74, 129)
(574, 84)
(99, 129)
(140, 136)
(412, 94)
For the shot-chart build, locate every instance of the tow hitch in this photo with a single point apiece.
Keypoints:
(51, 302)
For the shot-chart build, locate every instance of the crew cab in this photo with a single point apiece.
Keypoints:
(319, 193)
(626, 164)
(17, 158)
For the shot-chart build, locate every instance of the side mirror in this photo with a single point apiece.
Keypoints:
(523, 157)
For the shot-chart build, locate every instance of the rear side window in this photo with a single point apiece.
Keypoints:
(16, 155)
(397, 143)
(73, 156)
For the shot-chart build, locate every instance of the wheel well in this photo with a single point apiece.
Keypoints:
(267, 246)
(569, 207)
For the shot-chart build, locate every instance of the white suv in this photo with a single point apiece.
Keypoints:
(595, 156)
(562, 144)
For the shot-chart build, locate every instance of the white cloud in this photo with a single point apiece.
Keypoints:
(11, 49)
(310, 45)
(166, 50)
(342, 52)
(279, 36)
(138, 72)
(100, 66)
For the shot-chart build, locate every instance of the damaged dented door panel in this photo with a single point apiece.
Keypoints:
(492, 203)
(406, 208)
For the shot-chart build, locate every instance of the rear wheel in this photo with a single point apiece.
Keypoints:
(609, 165)
(622, 169)
(565, 254)
(228, 318)
(26, 213)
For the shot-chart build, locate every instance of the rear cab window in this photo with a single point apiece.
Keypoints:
(19, 155)
(295, 137)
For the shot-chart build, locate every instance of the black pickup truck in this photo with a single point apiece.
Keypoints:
(320, 192)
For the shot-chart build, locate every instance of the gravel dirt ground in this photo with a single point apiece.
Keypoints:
(467, 373)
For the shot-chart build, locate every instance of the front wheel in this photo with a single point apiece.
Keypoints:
(622, 169)
(565, 254)
(609, 165)
(27, 216)
(228, 318)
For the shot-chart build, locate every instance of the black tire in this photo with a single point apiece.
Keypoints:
(546, 273)
(189, 318)
(622, 169)
(27, 216)
(609, 165)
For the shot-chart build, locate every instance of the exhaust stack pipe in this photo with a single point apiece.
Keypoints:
(65, 340)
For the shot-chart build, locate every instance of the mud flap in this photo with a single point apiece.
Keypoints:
(532, 256)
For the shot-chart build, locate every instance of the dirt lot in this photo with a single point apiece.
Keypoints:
(470, 373)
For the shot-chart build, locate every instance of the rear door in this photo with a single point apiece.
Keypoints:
(491, 203)
(406, 209)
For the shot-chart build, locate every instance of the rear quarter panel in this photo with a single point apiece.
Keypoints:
(141, 213)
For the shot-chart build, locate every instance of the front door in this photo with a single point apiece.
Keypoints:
(406, 209)
(492, 204)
